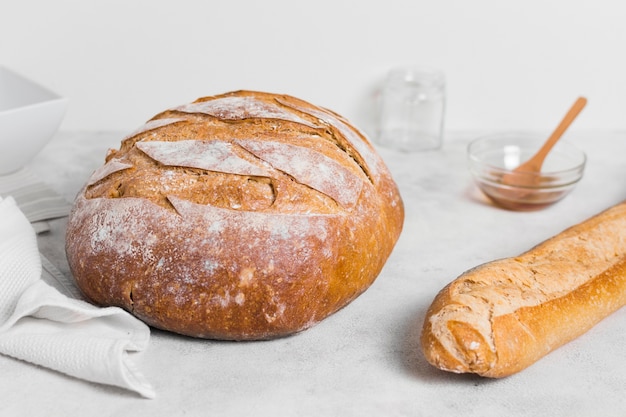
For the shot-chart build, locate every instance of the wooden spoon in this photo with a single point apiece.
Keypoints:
(534, 164)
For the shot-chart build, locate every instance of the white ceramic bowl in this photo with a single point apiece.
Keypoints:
(29, 117)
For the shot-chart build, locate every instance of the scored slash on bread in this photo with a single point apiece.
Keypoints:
(242, 216)
(502, 316)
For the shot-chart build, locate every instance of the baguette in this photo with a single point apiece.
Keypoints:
(502, 316)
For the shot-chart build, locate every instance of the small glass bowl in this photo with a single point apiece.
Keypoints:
(492, 160)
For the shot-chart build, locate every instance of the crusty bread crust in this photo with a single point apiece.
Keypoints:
(242, 216)
(503, 316)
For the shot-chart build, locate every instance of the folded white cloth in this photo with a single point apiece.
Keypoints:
(36, 200)
(40, 325)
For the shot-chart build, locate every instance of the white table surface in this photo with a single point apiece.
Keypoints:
(364, 360)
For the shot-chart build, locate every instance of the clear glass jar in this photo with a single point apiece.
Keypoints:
(412, 109)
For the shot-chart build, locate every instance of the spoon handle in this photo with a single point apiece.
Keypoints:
(535, 163)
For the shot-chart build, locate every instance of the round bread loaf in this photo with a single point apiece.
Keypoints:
(241, 216)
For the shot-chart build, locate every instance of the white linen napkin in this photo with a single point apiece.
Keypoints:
(40, 325)
(36, 200)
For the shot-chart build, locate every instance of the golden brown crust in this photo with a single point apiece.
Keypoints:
(503, 316)
(241, 216)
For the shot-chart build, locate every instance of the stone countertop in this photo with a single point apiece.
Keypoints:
(364, 360)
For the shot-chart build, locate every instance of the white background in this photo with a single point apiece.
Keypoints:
(509, 64)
